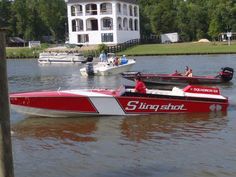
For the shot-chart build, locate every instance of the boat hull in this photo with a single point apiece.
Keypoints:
(73, 103)
(104, 69)
(168, 79)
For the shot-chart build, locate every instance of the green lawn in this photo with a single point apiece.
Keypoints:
(181, 48)
(24, 52)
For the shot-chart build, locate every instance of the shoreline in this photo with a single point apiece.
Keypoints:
(139, 55)
(190, 48)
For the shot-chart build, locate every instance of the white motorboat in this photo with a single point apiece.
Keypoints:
(107, 68)
(65, 57)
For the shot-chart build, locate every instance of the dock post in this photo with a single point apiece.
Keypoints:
(6, 159)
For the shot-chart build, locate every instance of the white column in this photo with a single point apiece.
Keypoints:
(99, 22)
(83, 17)
(114, 21)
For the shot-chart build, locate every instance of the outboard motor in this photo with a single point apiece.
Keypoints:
(226, 74)
(89, 69)
(90, 58)
(89, 66)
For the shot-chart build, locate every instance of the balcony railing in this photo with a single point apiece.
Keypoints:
(105, 12)
(91, 12)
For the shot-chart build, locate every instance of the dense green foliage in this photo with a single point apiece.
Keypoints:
(33, 19)
(192, 19)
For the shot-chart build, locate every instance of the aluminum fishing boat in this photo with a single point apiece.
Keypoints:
(176, 78)
(122, 101)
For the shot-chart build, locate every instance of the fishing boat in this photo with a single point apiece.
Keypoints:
(61, 57)
(107, 68)
(121, 101)
(224, 76)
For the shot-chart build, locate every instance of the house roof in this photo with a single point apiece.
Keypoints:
(76, 1)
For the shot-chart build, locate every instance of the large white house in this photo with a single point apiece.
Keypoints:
(102, 21)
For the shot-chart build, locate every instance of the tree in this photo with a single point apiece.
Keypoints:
(20, 17)
(5, 11)
(183, 21)
(163, 17)
(53, 15)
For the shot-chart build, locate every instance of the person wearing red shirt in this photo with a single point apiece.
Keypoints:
(140, 87)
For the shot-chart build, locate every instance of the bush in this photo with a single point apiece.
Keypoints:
(102, 47)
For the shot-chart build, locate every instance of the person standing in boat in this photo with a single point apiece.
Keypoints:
(103, 57)
(140, 87)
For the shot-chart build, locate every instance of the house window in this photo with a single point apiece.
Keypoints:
(79, 10)
(77, 25)
(107, 37)
(91, 9)
(106, 23)
(119, 22)
(118, 8)
(135, 11)
(125, 24)
(91, 24)
(83, 38)
(130, 10)
(73, 25)
(131, 24)
(106, 8)
(80, 25)
(72, 10)
(125, 9)
(136, 25)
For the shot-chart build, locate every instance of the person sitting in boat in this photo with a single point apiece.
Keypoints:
(123, 60)
(103, 57)
(190, 73)
(140, 87)
(116, 61)
(187, 71)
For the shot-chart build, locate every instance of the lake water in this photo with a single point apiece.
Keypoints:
(165, 145)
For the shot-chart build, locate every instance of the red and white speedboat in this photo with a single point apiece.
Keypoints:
(123, 101)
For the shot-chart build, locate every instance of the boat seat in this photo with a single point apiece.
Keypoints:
(177, 91)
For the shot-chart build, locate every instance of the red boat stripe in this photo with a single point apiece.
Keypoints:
(57, 103)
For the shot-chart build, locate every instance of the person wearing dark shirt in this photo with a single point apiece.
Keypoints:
(140, 87)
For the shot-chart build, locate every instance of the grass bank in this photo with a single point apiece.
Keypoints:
(24, 52)
(181, 49)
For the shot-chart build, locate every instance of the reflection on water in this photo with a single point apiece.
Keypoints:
(134, 128)
(79, 130)
(165, 126)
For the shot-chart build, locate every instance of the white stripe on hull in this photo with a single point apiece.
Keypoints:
(113, 108)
